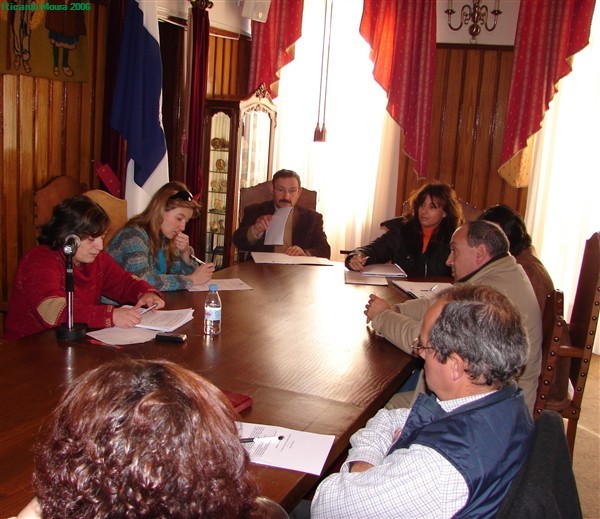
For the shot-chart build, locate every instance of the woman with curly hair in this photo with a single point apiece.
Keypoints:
(418, 241)
(143, 439)
(38, 299)
(153, 246)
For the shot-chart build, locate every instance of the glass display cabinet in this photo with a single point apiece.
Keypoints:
(237, 152)
(258, 120)
(220, 183)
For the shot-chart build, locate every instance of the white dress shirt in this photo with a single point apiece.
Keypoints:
(414, 482)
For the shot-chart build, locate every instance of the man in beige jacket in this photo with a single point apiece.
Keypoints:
(478, 255)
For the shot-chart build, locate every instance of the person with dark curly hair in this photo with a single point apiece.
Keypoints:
(144, 439)
(418, 241)
(38, 300)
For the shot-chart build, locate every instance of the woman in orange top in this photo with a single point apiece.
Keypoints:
(419, 240)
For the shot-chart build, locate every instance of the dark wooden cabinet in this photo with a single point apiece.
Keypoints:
(220, 192)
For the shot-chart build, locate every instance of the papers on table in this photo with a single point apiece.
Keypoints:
(390, 270)
(152, 322)
(276, 229)
(166, 320)
(122, 336)
(357, 278)
(298, 450)
(278, 257)
(421, 290)
(222, 284)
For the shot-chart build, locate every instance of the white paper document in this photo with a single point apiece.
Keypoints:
(357, 278)
(278, 257)
(298, 450)
(122, 336)
(276, 229)
(166, 320)
(390, 270)
(421, 289)
(222, 284)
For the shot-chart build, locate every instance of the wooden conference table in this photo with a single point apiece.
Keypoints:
(297, 343)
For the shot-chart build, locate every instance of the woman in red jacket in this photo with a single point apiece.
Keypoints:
(38, 299)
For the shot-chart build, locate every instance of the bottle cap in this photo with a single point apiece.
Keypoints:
(212, 287)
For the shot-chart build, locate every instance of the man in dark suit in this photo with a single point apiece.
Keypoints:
(303, 235)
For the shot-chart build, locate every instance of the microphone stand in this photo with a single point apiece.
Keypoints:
(70, 331)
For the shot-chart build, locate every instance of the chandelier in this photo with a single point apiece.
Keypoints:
(476, 15)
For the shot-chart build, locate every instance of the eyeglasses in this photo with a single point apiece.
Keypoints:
(183, 195)
(417, 346)
(282, 190)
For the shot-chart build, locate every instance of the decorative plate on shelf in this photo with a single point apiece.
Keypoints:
(219, 204)
(214, 185)
(223, 185)
(221, 165)
(216, 143)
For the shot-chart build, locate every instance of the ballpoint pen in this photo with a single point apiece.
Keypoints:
(144, 310)
(261, 439)
(197, 260)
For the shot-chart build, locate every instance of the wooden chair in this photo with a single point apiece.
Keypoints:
(53, 193)
(264, 191)
(567, 347)
(116, 208)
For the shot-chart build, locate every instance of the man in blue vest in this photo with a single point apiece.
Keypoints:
(455, 453)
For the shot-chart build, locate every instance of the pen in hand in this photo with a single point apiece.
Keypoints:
(145, 310)
(197, 260)
(261, 438)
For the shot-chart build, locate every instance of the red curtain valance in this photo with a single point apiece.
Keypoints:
(548, 34)
(273, 43)
(402, 37)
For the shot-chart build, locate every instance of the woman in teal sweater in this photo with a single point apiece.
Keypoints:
(153, 246)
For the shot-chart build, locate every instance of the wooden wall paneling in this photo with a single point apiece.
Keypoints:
(448, 91)
(228, 59)
(467, 126)
(49, 128)
(26, 171)
(55, 137)
(85, 139)
(72, 129)
(42, 127)
(9, 253)
(485, 139)
(228, 88)
(219, 51)
(467, 130)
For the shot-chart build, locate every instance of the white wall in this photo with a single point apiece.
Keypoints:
(503, 34)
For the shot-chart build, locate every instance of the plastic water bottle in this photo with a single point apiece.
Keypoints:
(212, 312)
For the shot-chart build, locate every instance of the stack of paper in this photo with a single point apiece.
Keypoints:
(297, 450)
(389, 270)
(278, 257)
(166, 320)
(352, 277)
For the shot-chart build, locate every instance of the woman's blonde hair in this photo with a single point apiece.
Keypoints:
(170, 196)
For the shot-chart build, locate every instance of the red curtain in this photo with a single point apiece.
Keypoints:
(548, 33)
(273, 43)
(402, 39)
(200, 26)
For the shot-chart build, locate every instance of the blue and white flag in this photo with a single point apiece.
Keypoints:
(137, 105)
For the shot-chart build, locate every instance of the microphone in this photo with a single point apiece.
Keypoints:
(72, 243)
